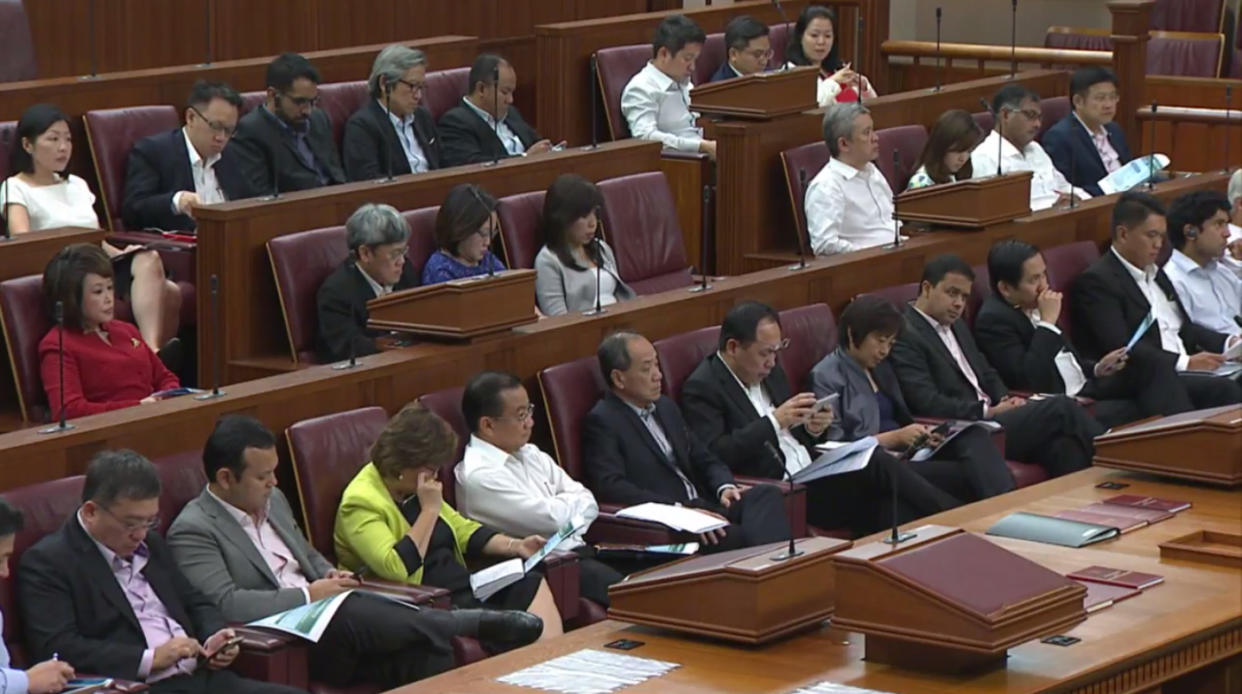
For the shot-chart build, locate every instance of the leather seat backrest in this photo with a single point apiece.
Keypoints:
(520, 219)
(569, 391)
(45, 507)
(1078, 38)
(680, 355)
(300, 263)
(801, 164)
(1054, 109)
(899, 294)
(447, 404)
(8, 140)
(339, 100)
(710, 58)
(422, 223)
(327, 452)
(1188, 15)
(445, 88)
(614, 67)
(979, 290)
(640, 223)
(985, 121)
(812, 334)
(1064, 264)
(908, 141)
(24, 319)
(252, 100)
(111, 133)
(182, 479)
(17, 57)
(1185, 54)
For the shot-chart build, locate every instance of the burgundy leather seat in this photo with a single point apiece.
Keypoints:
(1054, 109)
(422, 223)
(801, 164)
(17, 58)
(979, 290)
(339, 100)
(111, 133)
(24, 320)
(908, 141)
(899, 294)
(445, 88)
(1185, 54)
(812, 334)
(1188, 15)
(300, 263)
(985, 121)
(713, 54)
(447, 404)
(640, 223)
(520, 219)
(614, 67)
(1078, 38)
(252, 100)
(1065, 263)
(680, 354)
(182, 479)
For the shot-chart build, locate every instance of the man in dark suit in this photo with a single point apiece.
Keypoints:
(392, 133)
(1087, 145)
(169, 174)
(378, 240)
(943, 374)
(748, 49)
(739, 402)
(638, 449)
(105, 594)
(286, 144)
(1114, 296)
(468, 131)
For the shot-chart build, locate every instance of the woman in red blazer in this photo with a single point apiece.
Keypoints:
(107, 364)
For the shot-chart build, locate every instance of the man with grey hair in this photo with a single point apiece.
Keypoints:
(849, 204)
(393, 133)
(378, 239)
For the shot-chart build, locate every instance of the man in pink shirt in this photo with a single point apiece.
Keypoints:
(1087, 145)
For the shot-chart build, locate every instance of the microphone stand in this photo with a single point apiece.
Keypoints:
(896, 220)
(784, 18)
(90, 23)
(895, 536)
(496, 115)
(801, 250)
(1072, 202)
(1228, 118)
(4, 210)
(388, 108)
(58, 315)
(707, 208)
(1000, 144)
(939, 58)
(1151, 150)
(215, 343)
(858, 28)
(207, 7)
(271, 157)
(595, 97)
(351, 363)
(599, 269)
(1013, 42)
(792, 551)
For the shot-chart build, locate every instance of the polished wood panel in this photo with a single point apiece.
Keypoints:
(1196, 139)
(28, 254)
(232, 236)
(1179, 637)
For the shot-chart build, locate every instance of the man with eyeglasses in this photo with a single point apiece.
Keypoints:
(393, 133)
(378, 238)
(1018, 118)
(286, 144)
(104, 593)
(1087, 145)
(749, 49)
(169, 174)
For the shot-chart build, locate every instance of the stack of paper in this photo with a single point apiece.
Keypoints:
(676, 517)
(834, 688)
(588, 672)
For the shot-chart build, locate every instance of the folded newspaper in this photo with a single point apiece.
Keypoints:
(1133, 173)
(487, 582)
(838, 458)
(676, 517)
(310, 620)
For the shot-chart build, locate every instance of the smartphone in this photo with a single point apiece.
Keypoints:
(942, 429)
(826, 402)
(235, 641)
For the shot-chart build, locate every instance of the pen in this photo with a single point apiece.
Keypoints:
(56, 656)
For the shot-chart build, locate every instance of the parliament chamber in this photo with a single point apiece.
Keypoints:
(692, 235)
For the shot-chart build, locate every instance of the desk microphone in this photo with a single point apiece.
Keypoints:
(707, 210)
(1013, 41)
(939, 58)
(58, 315)
(215, 343)
(858, 29)
(897, 537)
(595, 99)
(496, 113)
(207, 12)
(351, 362)
(271, 158)
(1151, 150)
(387, 146)
(793, 550)
(1072, 202)
(599, 269)
(4, 209)
(90, 23)
(1228, 123)
(896, 220)
(1000, 143)
(801, 240)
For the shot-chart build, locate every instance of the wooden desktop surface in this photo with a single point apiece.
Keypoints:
(1192, 623)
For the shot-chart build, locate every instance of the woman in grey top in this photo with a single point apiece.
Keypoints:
(566, 267)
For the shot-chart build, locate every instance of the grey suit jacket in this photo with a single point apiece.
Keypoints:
(858, 413)
(219, 559)
(559, 289)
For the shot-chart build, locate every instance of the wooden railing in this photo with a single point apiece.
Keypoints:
(1196, 139)
(918, 64)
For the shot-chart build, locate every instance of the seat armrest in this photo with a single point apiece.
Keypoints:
(155, 240)
(677, 154)
(795, 500)
(118, 686)
(564, 580)
(260, 640)
(607, 527)
(429, 596)
(272, 656)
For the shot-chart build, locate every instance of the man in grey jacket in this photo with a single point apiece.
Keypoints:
(239, 544)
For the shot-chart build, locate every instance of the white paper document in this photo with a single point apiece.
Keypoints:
(1134, 172)
(588, 672)
(487, 582)
(955, 427)
(834, 688)
(837, 459)
(308, 621)
(676, 517)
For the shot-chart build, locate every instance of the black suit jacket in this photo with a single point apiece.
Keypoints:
(371, 145)
(1024, 355)
(624, 464)
(932, 383)
(73, 606)
(1108, 307)
(260, 137)
(720, 414)
(724, 72)
(1067, 141)
(341, 307)
(465, 138)
(158, 167)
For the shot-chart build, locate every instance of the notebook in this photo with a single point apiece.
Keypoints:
(1155, 502)
(1101, 595)
(1052, 530)
(1117, 577)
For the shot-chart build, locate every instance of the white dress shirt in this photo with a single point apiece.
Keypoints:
(796, 455)
(204, 174)
(1211, 294)
(945, 333)
(1234, 266)
(1067, 366)
(1046, 184)
(848, 209)
(1168, 317)
(379, 289)
(522, 494)
(513, 143)
(414, 155)
(656, 107)
(12, 680)
(271, 547)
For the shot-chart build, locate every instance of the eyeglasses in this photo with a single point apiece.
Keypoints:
(760, 54)
(302, 101)
(131, 526)
(1031, 114)
(487, 232)
(215, 126)
(391, 254)
(767, 351)
(528, 413)
(418, 87)
(1106, 97)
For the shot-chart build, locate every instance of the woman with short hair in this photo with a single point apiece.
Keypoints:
(466, 225)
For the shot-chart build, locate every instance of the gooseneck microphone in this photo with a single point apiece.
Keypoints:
(595, 97)
(896, 220)
(388, 147)
(1013, 41)
(858, 30)
(215, 343)
(496, 113)
(1151, 150)
(1000, 143)
(352, 360)
(801, 243)
(1072, 198)
(793, 550)
(90, 24)
(1228, 123)
(707, 210)
(4, 209)
(58, 315)
(895, 536)
(207, 12)
(939, 58)
(785, 19)
(599, 269)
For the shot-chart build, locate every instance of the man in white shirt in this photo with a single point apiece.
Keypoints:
(1018, 117)
(1209, 291)
(849, 204)
(507, 483)
(656, 101)
(1233, 251)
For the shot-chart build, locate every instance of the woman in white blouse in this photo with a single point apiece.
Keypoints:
(41, 195)
(574, 259)
(814, 43)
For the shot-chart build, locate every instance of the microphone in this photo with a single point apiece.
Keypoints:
(271, 160)
(599, 269)
(1000, 144)
(1151, 150)
(896, 221)
(792, 551)
(1070, 180)
(595, 97)
(496, 112)
(90, 24)
(58, 315)
(489, 258)
(350, 363)
(858, 28)
(784, 18)
(388, 147)
(707, 210)
(895, 536)
(4, 210)
(801, 242)
(215, 343)
(939, 59)
(1013, 42)
(1228, 108)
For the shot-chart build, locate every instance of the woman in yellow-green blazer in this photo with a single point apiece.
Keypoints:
(393, 521)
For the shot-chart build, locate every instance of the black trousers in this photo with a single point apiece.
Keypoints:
(970, 467)
(205, 681)
(1149, 388)
(1055, 433)
(756, 519)
(594, 576)
(371, 639)
(863, 500)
